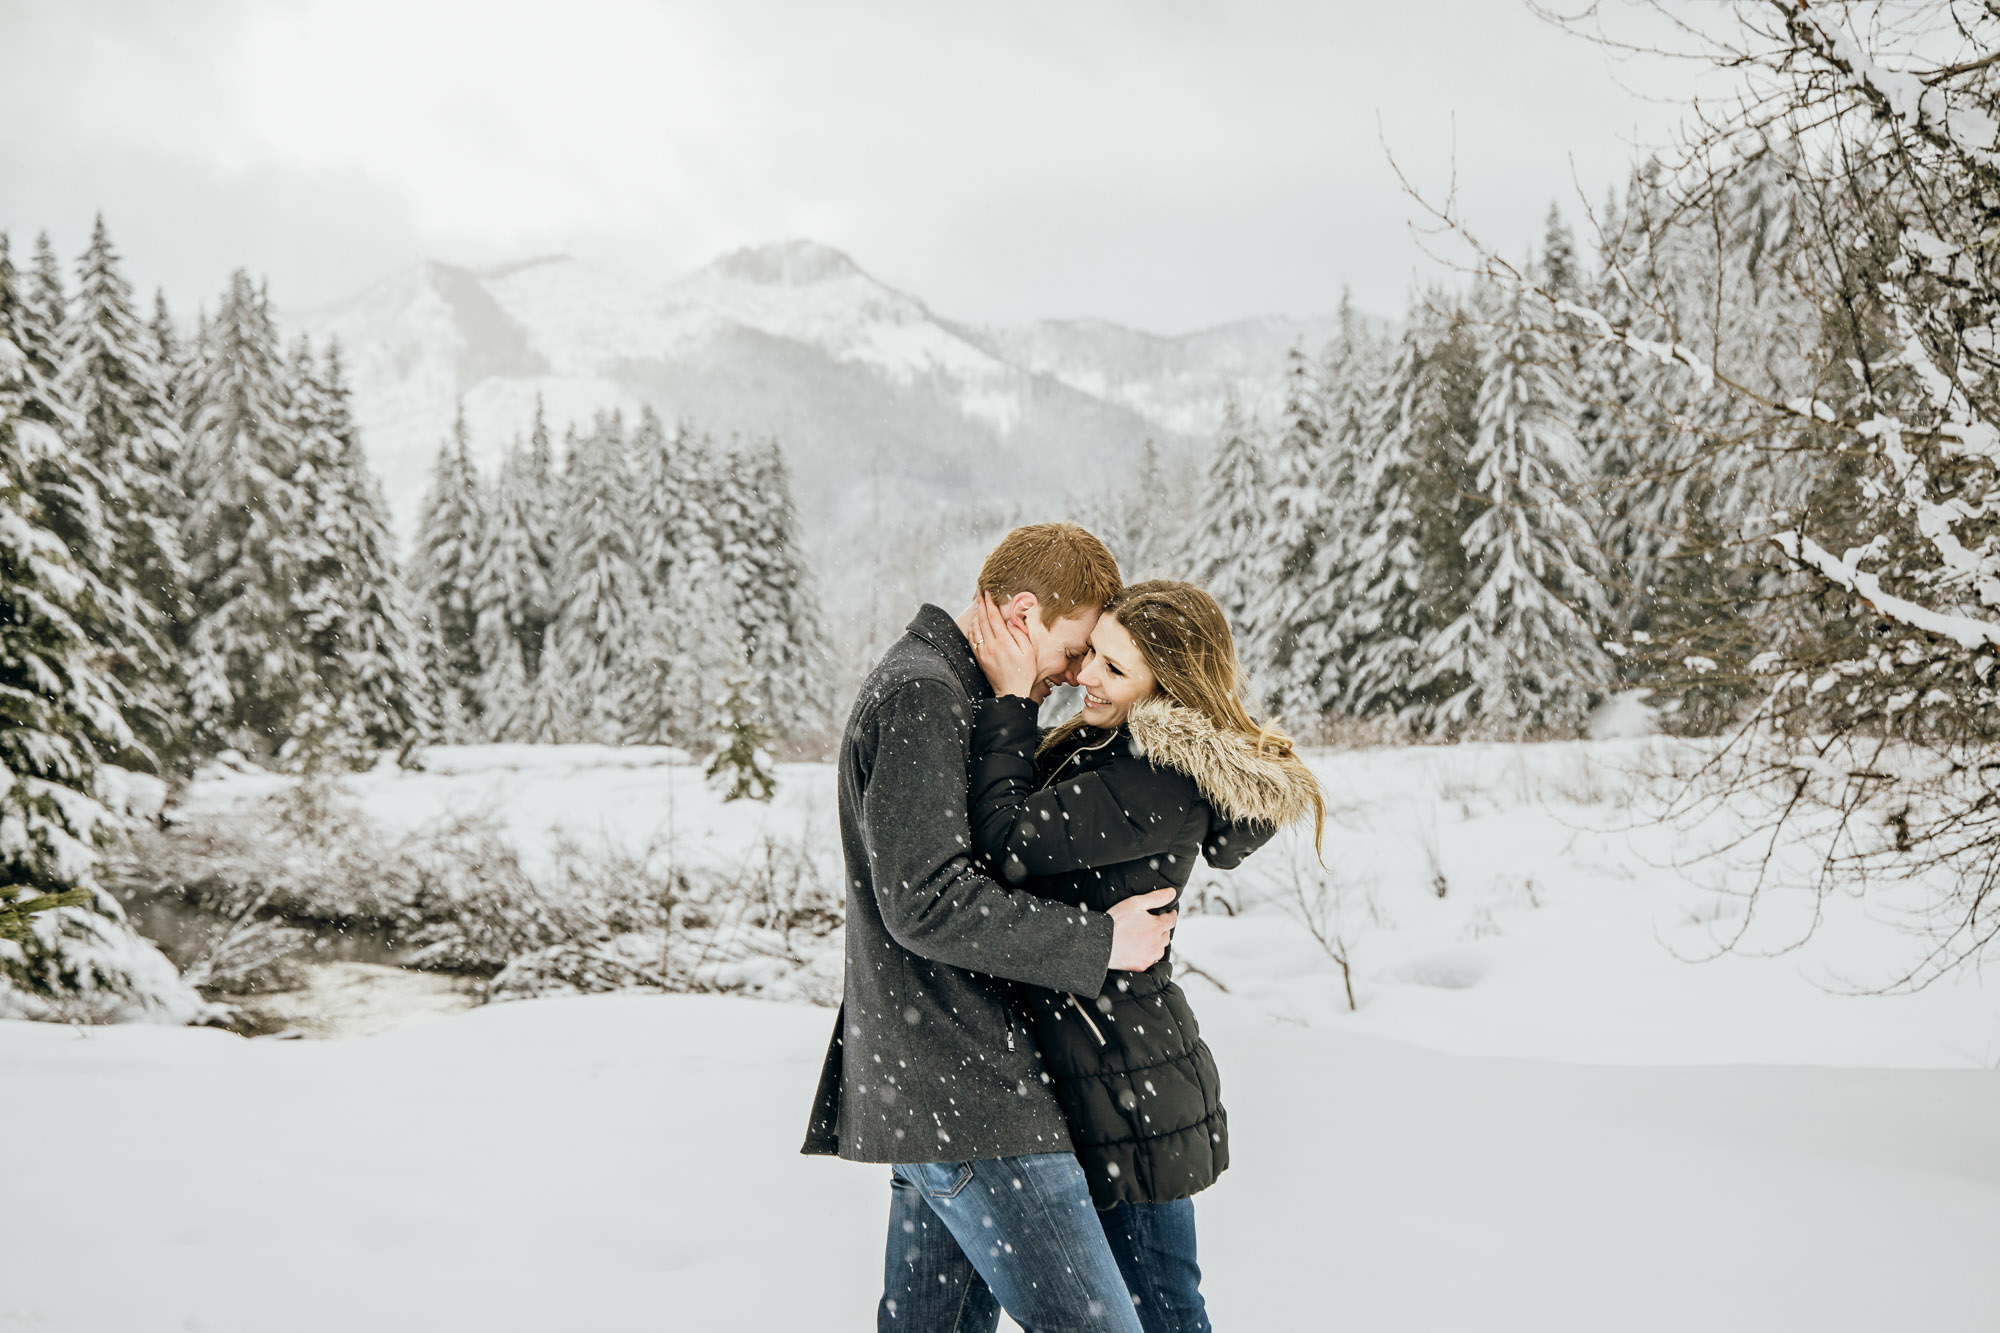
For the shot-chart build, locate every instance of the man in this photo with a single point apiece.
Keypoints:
(930, 1070)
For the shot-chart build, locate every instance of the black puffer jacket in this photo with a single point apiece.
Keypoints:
(1103, 816)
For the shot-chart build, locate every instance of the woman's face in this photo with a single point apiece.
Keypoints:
(1114, 675)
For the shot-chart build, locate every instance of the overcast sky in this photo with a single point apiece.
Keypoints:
(1162, 163)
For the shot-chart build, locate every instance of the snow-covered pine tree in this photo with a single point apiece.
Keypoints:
(669, 514)
(66, 950)
(166, 346)
(1410, 572)
(1315, 679)
(690, 632)
(739, 766)
(442, 572)
(777, 618)
(355, 614)
(128, 432)
(509, 593)
(246, 664)
(598, 586)
(544, 486)
(44, 314)
(178, 359)
(1234, 502)
(1690, 472)
(69, 489)
(1526, 646)
(553, 701)
(1295, 528)
(1561, 273)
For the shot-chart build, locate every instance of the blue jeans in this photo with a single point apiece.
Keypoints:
(967, 1239)
(1154, 1246)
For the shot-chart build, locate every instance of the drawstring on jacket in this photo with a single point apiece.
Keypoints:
(1084, 1014)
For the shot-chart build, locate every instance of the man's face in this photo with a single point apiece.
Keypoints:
(1059, 648)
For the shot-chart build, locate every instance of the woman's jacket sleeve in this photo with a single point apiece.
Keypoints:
(1122, 811)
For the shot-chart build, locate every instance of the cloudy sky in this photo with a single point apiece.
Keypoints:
(1164, 163)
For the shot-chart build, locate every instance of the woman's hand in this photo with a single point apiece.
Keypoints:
(1004, 653)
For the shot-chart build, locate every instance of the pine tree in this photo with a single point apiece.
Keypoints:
(247, 667)
(1409, 571)
(690, 633)
(66, 950)
(1561, 274)
(598, 587)
(128, 434)
(1231, 524)
(177, 361)
(509, 594)
(69, 488)
(1318, 669)
(355, 614)
(442, 573)
(1296, 524)
(783, 644)
(1526, 645)
(1680, 469)
(45, 307)
(545, 491)
(554, 706)
(739, 766)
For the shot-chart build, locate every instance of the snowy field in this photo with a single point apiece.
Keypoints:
(1543, 1114)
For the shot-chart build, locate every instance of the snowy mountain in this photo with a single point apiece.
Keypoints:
(869, 390)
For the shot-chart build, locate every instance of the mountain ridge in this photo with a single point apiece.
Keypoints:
(423, 339)
(912, 438)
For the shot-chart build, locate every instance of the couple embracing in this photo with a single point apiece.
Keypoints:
(1011, 1041)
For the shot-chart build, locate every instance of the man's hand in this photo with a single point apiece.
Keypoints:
(1138, 938)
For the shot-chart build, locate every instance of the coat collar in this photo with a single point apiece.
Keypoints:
(935, 627)
(1243, 782)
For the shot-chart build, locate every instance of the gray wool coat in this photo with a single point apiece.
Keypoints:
(931, 1059)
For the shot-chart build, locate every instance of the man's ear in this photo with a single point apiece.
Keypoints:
(1021, 606)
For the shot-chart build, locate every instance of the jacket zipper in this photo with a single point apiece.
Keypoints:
(1050, 781)
(1077, 753)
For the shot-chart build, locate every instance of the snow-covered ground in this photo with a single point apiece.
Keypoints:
(628, 1163)
(1572, 927)
(1540, 1117)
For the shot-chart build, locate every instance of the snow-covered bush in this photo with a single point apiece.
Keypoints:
(603, 918)
(302, 853)
(299, 872)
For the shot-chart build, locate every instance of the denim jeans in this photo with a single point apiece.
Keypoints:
(1154, 1246)
(967, 1239)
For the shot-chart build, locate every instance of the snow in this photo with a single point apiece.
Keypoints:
(630, 1162)
(588, 321)
(1966, 631)
(1540, 1117)
(1573, 927)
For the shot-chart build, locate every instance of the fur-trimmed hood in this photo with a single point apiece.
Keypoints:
(1241, 784)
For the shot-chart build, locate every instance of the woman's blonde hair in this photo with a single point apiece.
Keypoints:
(1186, 642)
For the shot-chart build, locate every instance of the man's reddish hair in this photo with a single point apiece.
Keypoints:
(1066, 567)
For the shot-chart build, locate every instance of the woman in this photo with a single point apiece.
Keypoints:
(1163, 764)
